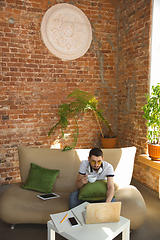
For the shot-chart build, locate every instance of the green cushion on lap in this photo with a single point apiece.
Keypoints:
(40, 179)
(93, 191)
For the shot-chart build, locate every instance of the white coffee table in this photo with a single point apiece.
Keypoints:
(100, 231)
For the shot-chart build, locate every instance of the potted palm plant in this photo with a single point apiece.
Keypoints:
(82, 102)
(152, 115)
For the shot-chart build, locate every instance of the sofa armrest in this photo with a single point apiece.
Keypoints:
(133, 205)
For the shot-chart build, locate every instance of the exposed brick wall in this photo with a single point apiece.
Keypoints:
(133, 81)
(147, 175)
(34, 82)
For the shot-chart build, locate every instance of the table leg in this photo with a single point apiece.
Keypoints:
(126, 233)
(51, 234)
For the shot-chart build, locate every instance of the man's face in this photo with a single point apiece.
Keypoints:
(95, 162)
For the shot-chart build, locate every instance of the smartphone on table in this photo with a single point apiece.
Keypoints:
(73, 221)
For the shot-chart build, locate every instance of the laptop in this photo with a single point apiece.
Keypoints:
(102, 212)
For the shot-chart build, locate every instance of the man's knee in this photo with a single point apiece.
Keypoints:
(74, 195)
(73, 199)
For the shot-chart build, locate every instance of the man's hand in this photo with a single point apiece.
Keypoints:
(81, 180)
(84, 179)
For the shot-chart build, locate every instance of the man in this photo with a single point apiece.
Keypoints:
(95, 166)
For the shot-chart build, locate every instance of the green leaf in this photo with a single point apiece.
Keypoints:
(152, 114)
(82, 102)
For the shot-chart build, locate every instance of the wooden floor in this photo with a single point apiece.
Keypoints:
(150, 230)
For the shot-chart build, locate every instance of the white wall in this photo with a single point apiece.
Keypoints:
(155, 44)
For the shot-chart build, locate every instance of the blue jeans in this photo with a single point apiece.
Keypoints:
(74, 201)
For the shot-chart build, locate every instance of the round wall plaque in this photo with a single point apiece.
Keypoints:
(66, 31)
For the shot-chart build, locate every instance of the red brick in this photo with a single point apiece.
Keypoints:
(35, 82)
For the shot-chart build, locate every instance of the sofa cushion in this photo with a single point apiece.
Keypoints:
(93, 191)
(66, 161)
(40, 179)
(19, 205)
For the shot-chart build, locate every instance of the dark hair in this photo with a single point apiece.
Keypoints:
(96, 152)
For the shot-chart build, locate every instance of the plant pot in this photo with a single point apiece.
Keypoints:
(154, 152)
(109, 142)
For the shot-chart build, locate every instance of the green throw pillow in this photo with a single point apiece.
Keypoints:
(93, 191)
(40, 179)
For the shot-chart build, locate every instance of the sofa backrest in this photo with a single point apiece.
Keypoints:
(122, 159)
(51, 159)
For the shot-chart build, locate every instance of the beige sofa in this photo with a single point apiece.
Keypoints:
(19, 205)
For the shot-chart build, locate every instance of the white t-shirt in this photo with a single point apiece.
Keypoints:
(106, 170)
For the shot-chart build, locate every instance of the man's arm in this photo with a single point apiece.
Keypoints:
(81, 180)
(110, 190)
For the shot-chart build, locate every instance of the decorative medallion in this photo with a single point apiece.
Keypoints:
(66, 31)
